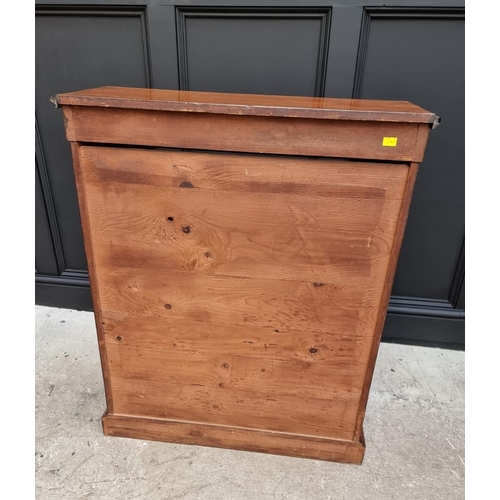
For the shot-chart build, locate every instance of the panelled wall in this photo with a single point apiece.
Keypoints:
(406, 50)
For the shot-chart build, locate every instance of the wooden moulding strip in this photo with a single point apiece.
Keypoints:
(248, 104)
(239, 438)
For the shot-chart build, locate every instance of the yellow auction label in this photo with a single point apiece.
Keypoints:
(389, 141)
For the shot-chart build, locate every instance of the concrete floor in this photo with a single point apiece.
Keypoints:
(414, 432)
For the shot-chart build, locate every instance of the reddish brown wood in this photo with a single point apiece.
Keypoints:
(334, 179)
(240, 298)
(89, 249)
(421, 144)
(384, 303)
(253, 134)
(258, 440)
(248, 105)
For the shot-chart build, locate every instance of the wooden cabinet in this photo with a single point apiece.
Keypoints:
(241, 251)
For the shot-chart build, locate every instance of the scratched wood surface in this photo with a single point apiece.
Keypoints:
(248, 104)
(355, 139)
(240, 290)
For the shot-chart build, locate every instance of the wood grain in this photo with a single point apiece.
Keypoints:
(252, 134)
(210, 228)
(243, 173)
(226, 234)
(248, 104)
(89, 249)
(239, 297)
(333, 418)
(384, 303)
(181, 337)
(235, 437)
(229, 300)
(236, 375)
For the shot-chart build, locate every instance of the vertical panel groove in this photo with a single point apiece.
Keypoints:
(458, 278)
(147, 51)
(362, 50)
(48, 201)
(180, 20)
(324, 44)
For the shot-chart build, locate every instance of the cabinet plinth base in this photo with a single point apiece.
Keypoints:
(239, 438)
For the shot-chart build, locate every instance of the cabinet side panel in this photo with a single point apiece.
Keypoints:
(384, 303)
(89, 251)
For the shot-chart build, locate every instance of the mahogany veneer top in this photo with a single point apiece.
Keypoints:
(248, 104)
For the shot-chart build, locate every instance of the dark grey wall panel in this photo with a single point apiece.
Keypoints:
(77, 49)
(253, 51)
(418, 55)
(45, 261)
(49, 255)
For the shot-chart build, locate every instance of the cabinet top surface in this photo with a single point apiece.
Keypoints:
(247, 104)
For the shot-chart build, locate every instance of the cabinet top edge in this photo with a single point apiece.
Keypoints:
(247, 104)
